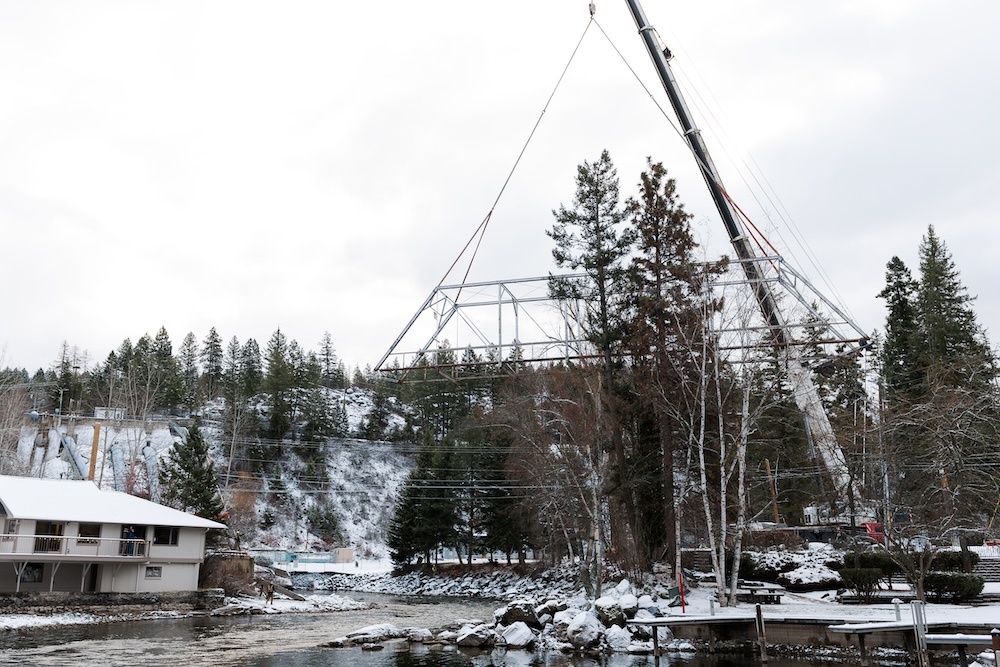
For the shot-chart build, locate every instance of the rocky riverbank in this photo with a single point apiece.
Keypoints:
(545, 610)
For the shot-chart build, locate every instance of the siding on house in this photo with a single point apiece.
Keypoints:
(63, 535)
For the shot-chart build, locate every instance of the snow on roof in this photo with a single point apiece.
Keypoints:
(72, 500)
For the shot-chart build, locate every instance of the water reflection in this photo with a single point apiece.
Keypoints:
(294, 640)
(420, 656)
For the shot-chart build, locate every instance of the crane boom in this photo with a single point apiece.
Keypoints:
(805, 391)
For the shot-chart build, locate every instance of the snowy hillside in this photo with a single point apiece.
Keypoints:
(271, 510)
(364, 482)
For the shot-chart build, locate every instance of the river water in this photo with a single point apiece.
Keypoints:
(292, 640)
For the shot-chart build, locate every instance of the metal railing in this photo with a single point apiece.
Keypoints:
(73, 545)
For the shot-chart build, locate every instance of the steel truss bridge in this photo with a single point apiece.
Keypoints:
(475, 330)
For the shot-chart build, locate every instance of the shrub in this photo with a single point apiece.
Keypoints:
(862, 580)
(879, 560)
(323, 522)
(951, 561)
(952, 586)
(768, 566)
(766, 539)
(748, 565)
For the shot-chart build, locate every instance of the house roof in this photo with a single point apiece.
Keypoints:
(81, 500)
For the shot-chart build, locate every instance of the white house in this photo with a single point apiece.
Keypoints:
(67, 535)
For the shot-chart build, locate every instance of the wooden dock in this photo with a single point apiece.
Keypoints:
(818, 631)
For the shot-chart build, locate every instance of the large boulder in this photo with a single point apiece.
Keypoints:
(518, 635)
(550, 607)
(585, 631)
(419, 635)
(521, 611)
(375, 633)
(629, 604)
(609, 611)
(562, 619)
(617, 639)
(476, 636)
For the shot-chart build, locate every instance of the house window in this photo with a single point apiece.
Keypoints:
(11, 527)
(154, 572)
(32, 573)
(165, 535)
(89, 533)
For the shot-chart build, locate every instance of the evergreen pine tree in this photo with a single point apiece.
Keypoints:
(278, 383)
(901, 349)
(590, 236)
(945, 417)
(666, 325)
(402, 541)
(953, 342)
(251, 368)
(165, 371)
(211, 358)
(332, 372)
(187, 362)
(188, 479)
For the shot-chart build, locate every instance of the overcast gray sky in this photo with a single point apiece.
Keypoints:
(317, 166)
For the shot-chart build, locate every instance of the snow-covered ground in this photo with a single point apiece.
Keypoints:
(241, 605)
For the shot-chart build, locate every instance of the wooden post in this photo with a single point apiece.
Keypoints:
(93, 451)
(962, 656)
(995, 633)
(761, 636)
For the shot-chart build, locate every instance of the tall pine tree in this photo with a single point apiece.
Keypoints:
(941, 420)
(188, 479)
(591, 236)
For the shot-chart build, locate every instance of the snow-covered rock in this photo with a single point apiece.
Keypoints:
(476, 636)
(419, 635)
(585, 630)
(521, 611)
(629, 605)
(562, 619)
(617, 639)
(518, 635)
(375, 633)
(609, 611)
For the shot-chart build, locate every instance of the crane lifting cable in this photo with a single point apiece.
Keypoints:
(759, 238)
(480, 232)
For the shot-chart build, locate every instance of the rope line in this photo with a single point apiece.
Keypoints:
(754, 230)
(481, 229)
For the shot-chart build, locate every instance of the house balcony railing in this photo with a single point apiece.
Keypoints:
(73, 546)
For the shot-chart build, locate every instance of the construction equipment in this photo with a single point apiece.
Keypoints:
(806, 393)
